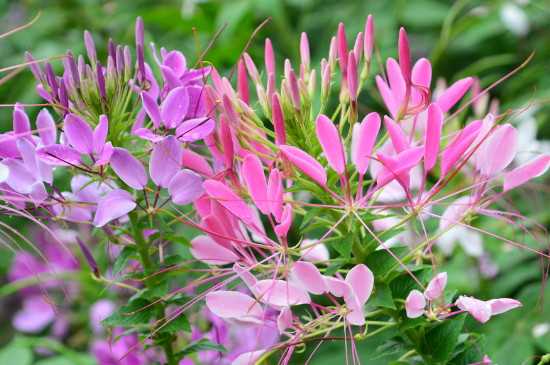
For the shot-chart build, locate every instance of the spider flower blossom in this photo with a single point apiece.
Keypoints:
(294, 203)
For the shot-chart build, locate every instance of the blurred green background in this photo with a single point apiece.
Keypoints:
(481, 38)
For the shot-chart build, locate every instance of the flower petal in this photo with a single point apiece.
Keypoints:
(415, 304)
(499, 151)
(228, 199)
(151, 108)
(47, 129)
(309, 277)
(436, 286)
(526, 172)
(205, 249)
(433, 136)
(79, 134)
(100, 134)
(196, 129)
(128, 168)
(305, 163)
(502, 305)
(234, 305)
(185, 187)
(174, 107)
(253, 174)
(361, 281)
(165, 161)
(454, 93)
(280, 293)
(115, 204)
(330, 140)
(364, 138)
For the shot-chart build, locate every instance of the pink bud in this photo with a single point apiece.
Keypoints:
(369, 38)
(436, 286)
(415, 304)
(342, 48)
(242, 82)
(358, 47)
(269, 56)
(278, 120)
(251, 68)
(325, 77)
(352, 78)
(404, 55)
(294, 90)
(304, 50)
(332, 52)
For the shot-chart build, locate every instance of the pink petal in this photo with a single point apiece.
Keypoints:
(174, 107)
(128, 168)
(59, 155)
(397, 136)
(363, 140)
(284, 320)
(502, 305)
(196, 162)
(526, 172)
(280, 293)
(248, 358)
(422, 73)
(369, 37)
(500, 150)
(228, 199)
(454, 93)
(165, 161)
(402, 164)
(253, 174)
(47, 130)
(195, 129)
(275, 194)
(151, 107)
(455, 150)
(436, 286)
(79, 134)
(433, 136)
(387, 96)
(21, 123)
(397, 82)
(361, 281)
(185, 187)
(100, 134)
(337, 287)
(35, 315)
(305, 163)
(286, 221)
(309, 277)
(415, 304)
(278, 120)
(330, 140)
(205, 249)
(404, 54)
(105, 156)
(478, 309)
(454, 213)
(314, 251)
(234, 305)
(115, 204)
(245, 275)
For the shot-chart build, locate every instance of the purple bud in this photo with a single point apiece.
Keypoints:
(89, 257)
(101, 81)
(90, 47)
(63, 97)
(139, 33)
(111, 51)
(52, 82)
(120, 60)
(111, 68)
(127, 62)
(140, 44)
(294, 90)
(35, 67)
(73, 69)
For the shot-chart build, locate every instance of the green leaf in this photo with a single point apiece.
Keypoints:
(440, 342)
(122, 259)
(16, 353)
(382, 296)
(180, 323)
(136, 312)
(380, 262)
(201, 345)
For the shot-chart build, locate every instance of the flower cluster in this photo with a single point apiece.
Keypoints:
(296, 207)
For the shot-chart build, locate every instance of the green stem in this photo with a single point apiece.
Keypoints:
(149, 268)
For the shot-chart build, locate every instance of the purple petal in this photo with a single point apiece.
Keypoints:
(36, 314)
(79, 134)
(128, 168)
(194, 129)
(174, 107)
(152, 108)
(100, 134)
(185, 187)
(21, 123)
(114, 205)
(47, 129)
(165, 161)
(59, 155)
